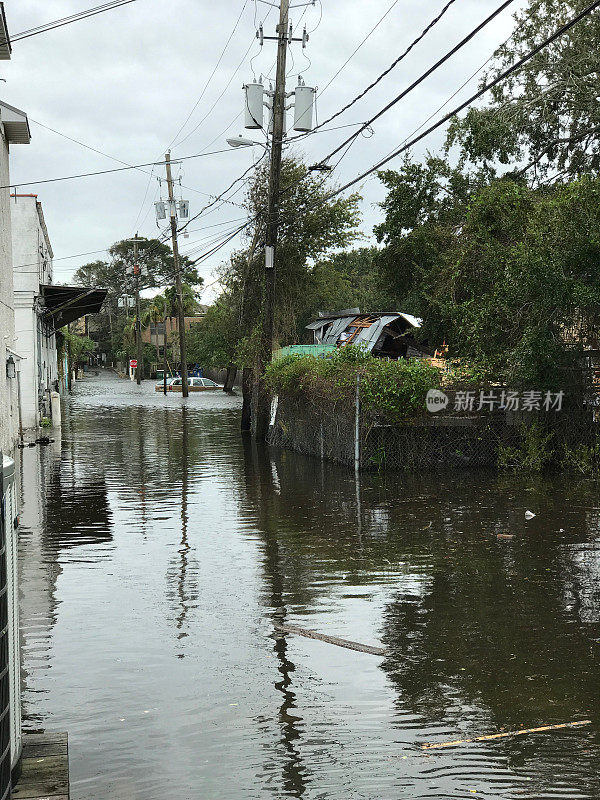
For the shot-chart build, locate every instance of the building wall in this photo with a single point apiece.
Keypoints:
(32, 254)
(9, 412)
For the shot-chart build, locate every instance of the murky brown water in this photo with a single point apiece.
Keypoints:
(161, 549)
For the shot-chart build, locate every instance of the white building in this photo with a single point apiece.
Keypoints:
(14, 129)
(36, 340)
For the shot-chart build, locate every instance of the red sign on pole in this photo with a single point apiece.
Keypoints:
(133, 363)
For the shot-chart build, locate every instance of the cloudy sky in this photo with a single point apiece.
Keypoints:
(126, 81)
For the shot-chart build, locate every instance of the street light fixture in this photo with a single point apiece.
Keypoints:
(11, 368)
(240, 141)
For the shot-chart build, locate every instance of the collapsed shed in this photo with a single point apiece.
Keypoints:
(385, 334)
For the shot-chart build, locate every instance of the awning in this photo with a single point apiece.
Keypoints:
(15, 354)
(65, 304)
(16, 124)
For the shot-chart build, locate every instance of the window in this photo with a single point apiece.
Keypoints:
(208, 382)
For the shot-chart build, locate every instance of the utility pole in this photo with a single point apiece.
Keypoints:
(260, 422)
(165, 355)
(180, 314)
(138, 314)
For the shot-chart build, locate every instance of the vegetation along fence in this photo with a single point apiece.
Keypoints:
(373, 415)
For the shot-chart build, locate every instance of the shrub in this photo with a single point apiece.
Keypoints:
(393, 390)
(532, 453)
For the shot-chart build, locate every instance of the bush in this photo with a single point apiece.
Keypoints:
(392, 390)
(532, 453)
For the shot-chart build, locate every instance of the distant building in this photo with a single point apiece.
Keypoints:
(154, 334)
(386, 334)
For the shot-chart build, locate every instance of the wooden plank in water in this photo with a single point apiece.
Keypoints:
(349, 645)
(490, 736)
(44, 768)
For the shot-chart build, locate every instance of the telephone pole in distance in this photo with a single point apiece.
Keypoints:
(178, 286)
(138, 314)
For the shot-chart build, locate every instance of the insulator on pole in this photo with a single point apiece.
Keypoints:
(253, 105)
(303, 106)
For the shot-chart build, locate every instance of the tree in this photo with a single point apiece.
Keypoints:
(546, 114)
(347, 279)
(155, 258)
(509, 275)
(310, 227)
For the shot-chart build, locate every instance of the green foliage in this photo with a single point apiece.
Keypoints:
(513, 283)
(78, 347)
(547, 112)
(157, 259)
(532, 453)
(392, 390)
(212, 342)
(583, 460)
(310, 228)
(346, 279)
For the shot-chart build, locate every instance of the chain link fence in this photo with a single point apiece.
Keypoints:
(533, 441)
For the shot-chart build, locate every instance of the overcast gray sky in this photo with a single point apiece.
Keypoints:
(125, 81)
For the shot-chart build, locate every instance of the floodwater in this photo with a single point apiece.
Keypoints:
(159, 549)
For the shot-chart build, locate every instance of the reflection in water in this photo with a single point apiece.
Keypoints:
(259, 486)
(190, 692)
(182, 575)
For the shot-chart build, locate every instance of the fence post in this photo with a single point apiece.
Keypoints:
(357, 425)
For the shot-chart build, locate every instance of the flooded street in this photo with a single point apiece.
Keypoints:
(158, 549)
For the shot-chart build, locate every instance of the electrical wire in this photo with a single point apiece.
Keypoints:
(211, 76)
(392, 66)
(214, 105)
(231, 185)
(367, 37)
(108, 171)
(483, 90)
(58, 23)
(440, 62)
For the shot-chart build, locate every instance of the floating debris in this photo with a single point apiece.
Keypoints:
(361, 648)
(507, 734)
(529, 515)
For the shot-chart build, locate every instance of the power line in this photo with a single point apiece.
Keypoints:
(392, 66)
(107, 171)
(483, 90)
(424, 76)
(367, 37)
(105, 249)
(214, 105)
(231, 185)
(211, 76)
(58, 23)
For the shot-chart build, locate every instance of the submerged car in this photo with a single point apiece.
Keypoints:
(194, 385)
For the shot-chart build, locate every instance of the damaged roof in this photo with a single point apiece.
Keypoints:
(367, 328)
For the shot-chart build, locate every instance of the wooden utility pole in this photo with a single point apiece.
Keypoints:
(178, 286)
(260, 422)
(139, 370)
(165, 355)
